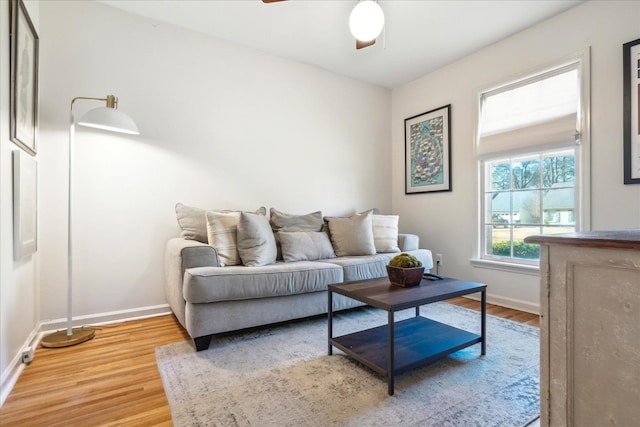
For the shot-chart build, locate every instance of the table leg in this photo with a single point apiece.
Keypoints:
(330, 325)
(417, 310)
(390, 355)
(483, 332)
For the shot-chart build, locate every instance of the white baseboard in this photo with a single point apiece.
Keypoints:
(10, 378)
(105, 318)
(515, 304)
(12, 373)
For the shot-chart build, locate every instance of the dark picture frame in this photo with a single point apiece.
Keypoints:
(427, 147)
(24, 78)
(631, 98)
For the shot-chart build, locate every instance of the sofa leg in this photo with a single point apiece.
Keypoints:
(202, 343)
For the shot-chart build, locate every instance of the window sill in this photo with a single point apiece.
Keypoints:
(532, 270)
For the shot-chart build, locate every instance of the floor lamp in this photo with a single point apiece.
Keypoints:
(105, 118)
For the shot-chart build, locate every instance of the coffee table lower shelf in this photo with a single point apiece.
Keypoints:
(417, 341)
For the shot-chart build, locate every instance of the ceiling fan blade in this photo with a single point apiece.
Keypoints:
(361, 45)
(271, 1)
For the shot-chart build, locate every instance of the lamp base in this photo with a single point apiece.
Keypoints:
(61, 339)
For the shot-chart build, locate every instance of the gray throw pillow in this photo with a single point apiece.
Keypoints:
(281, 221)
(305, 245)
(352, 236)
(192, 222)
(290, 222)
(256, 244)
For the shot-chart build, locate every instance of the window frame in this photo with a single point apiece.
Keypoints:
(581, 62)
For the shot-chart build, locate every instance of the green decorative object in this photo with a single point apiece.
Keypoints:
(405, 270)
(405, 261)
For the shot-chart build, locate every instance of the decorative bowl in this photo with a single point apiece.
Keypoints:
(405, 277)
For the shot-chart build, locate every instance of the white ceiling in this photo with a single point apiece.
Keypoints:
(420, 35)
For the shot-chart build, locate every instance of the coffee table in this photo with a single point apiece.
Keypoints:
(407, 344)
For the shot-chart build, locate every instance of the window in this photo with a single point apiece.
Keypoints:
(532, 194)
(533, 162)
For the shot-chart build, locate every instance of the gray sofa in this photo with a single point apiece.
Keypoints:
(209, 299)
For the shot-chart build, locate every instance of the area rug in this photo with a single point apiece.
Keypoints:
(282, 376)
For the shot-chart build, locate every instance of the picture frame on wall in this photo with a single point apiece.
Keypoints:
(427, 145)
(631, 86)
(24, 78)
(25, 205)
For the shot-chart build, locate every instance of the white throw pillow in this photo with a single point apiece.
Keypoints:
(305, 245)
(385, 233)
(353, 235)
(221, 231)
(256, 244)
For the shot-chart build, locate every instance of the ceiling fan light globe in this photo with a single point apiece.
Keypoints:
(366, 20)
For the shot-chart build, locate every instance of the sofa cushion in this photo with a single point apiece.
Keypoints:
(385, 233)
(193, 221)
(372, 266)
(362, 267)
(214, 284)
(256, 244)
(222, 230)
(305, 245)
(353, 235)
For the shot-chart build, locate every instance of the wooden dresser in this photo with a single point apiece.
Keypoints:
(590, 328)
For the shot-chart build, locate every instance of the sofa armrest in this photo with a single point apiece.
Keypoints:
(192, 253)
(181, 254)
(408, 242)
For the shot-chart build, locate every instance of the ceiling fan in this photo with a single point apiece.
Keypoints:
(366, 22)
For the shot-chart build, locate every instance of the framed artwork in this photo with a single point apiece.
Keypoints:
(24, 78)
(25, 206)
(631, 85)
(427, 147)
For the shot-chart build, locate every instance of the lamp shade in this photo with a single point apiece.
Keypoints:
(110, 119)
(366, 20)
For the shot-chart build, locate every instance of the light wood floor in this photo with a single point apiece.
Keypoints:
(113, 380)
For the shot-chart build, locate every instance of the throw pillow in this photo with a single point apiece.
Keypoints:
(305, 245)
(289, 222)
(374, 211)
(193, 221)
(353, 235)
(281, 221)
(256, 244)
(385, 233)
(325, 222)
(221, 231)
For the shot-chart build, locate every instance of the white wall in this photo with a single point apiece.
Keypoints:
(18, 279)
(447, 222)
(221, 127)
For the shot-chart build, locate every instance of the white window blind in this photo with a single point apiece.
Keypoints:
(541, 112)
